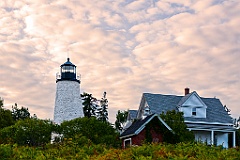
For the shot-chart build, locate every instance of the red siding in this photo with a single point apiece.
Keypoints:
(139, 139)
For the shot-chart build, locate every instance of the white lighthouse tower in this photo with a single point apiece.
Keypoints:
(68, 103)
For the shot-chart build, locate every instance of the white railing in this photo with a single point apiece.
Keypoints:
(58, 76)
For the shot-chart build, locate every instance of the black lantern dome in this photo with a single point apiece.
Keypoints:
(68, 72)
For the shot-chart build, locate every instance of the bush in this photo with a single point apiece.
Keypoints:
(96, 131)
(71, 150)
(31, 131)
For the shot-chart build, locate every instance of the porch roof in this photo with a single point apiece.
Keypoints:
(195, 126)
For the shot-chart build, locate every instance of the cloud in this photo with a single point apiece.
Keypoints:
(122, 47)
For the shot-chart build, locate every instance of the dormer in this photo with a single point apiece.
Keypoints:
(192, 106)
(144, 109)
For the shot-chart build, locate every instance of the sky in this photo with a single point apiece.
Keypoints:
(123, 47)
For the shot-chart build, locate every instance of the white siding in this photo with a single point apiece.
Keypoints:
(68, 103)
(222, 139)
(187, 111)
(194, 102)
(203, 136)
(201, 113)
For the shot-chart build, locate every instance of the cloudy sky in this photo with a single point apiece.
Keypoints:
(123, 47)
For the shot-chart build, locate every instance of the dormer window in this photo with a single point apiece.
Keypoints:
(194, 111)
(193, 106)
(146, 112)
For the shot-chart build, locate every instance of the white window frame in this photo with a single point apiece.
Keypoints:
(194, 110)
(124, 142)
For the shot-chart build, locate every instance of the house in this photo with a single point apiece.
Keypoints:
(151, 125)
(206, 117)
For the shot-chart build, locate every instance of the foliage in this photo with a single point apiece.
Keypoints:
(89, 104)
(20, 113)
(5, 116)
(175, 120)
(121, 118)
(1, 102)
(101, 111)
(238, 137)
(236, 122)
(30, 131)
(91, 128)
(158, 127)
(70, 150)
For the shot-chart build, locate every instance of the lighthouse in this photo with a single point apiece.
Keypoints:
(68, 103)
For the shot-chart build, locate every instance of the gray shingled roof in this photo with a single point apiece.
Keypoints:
(159, 103)
(132, 114)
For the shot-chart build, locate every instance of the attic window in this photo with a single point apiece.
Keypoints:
(194, 111)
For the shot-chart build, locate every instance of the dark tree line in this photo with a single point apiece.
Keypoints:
(10, 117)
(18, 126)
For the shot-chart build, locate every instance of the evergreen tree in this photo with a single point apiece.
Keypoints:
(121, 119)
(102, 109)
(89, 104)
(20, 113)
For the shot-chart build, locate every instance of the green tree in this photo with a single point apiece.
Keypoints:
(238, 137)
(30, 131)
(101, 111)
(175, 120)
(91, 128)
(89, 104)
(20, 113)
(1, 102)
(121, 119)
(5, 116)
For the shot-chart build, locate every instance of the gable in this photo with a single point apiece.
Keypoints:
(192, 106)
(142, 107)
(140, 124)
(194, 100)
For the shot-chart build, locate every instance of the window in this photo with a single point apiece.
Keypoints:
(68, 69)
(194, 111)
(127, 142)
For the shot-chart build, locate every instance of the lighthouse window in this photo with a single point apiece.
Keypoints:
(71, 69)
(68, 69)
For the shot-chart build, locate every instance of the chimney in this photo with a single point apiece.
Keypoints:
(187, 90)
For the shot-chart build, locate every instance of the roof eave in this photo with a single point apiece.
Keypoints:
(203, 122)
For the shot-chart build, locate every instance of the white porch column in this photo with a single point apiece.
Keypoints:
(212, 137)
(234, 139)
